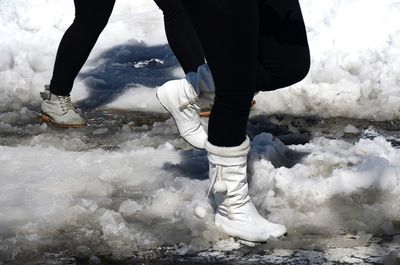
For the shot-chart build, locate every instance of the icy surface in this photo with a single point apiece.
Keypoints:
(127, 182)
(135, 187)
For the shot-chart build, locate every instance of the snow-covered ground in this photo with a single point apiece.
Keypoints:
(128, 183)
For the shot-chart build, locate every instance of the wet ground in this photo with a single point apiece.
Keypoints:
(364, 249)
(107, 128)
(289, 129)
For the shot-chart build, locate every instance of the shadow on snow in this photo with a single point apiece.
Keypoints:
(126, 66)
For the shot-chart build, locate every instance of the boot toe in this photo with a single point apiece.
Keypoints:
(277, 230)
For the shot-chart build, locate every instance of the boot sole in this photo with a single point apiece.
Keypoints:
(46, 119)
(243, 235)
(175, 122)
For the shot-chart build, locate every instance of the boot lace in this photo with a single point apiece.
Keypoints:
(214, 180)
(191, 103)
(66, 104)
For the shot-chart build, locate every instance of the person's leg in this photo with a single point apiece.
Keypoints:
(185, 98)
(229, 36)
(182, 37)
(228, 31)
(78, 41)
(91, 17)
(246, 54)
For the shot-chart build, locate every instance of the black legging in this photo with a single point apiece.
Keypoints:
(91, 16)
(250, 46)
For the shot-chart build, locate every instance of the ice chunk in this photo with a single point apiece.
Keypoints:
(165, 203)
(100, 131)
(129, 207)
(351, 129)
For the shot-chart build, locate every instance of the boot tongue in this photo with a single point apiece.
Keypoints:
(206, 100)
(205, 82)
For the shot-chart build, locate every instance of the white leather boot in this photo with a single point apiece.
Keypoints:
(59, 110)
(236, 214)
(184, 98)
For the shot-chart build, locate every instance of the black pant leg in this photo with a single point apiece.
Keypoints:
(91, 16)
(250, 46)
(182, 37)
(283, 53)
(228, 31)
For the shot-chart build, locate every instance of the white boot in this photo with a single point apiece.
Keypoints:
(59, 110)
(236, 214)
(183, 100)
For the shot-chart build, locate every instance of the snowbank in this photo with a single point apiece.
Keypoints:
(355, 62)
(354, 45)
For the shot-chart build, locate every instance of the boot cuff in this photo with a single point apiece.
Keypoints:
(191, 78)
(228, 156)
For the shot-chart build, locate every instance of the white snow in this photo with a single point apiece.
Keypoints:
(354, 45)
(355, 62)
(143, 193)
(30, 33)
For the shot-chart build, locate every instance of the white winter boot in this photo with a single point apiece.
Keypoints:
(59, 111)
(236, 214)
(184, 98)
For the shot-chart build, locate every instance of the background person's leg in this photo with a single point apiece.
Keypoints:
(182, 37)
(91, 16)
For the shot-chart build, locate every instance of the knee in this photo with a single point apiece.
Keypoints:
(301, 68)
(296, 70)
